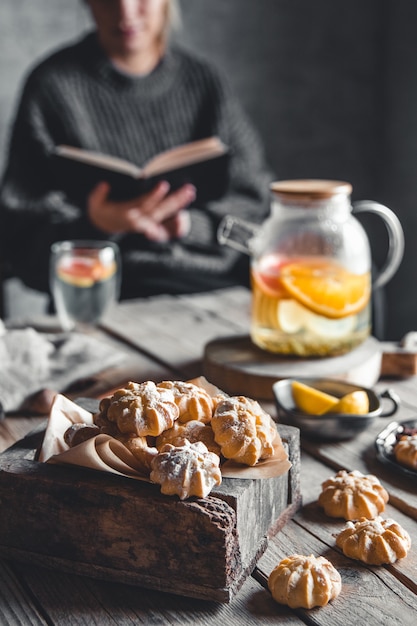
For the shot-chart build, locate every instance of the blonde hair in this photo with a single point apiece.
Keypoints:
(173, 19)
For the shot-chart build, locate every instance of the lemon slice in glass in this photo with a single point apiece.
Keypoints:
(311, 400)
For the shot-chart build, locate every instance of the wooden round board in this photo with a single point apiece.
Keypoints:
(238, 367)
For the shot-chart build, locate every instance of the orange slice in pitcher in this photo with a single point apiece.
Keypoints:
(325, 287)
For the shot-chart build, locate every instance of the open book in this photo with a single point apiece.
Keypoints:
(202, 163)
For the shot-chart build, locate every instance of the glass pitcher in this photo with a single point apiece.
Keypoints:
(311, 268)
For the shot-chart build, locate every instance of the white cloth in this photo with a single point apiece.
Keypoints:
(31, 361)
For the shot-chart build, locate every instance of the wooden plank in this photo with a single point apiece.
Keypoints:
(231, 305)
(84, 601)
(16, 427)
(136, 367)
(173, 330)
(16, 604)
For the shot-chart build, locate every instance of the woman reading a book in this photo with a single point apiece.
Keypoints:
(127, 90)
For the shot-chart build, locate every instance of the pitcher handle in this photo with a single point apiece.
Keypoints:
(395, 238)
(236, 233)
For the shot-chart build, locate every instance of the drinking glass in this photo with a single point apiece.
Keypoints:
(84, 281)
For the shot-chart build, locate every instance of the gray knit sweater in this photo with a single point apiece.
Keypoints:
(77, 97)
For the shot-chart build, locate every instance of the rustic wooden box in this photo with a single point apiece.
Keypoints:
(114, 528)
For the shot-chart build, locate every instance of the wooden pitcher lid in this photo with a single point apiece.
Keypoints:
(310, 189)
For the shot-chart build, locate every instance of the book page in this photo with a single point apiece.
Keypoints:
(186, 154)
(100, 160)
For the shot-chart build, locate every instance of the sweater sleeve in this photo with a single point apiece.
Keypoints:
(32, 213)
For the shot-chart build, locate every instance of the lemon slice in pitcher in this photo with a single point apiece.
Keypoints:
(311, 400)
(329, 328)
(291, 316)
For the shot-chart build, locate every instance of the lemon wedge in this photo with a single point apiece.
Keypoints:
(356, 403)
(311, 400)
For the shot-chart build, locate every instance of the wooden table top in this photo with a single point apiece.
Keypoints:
(164, 337)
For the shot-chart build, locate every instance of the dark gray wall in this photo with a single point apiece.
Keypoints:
(331, 86)
(306, 73)
(28, 30)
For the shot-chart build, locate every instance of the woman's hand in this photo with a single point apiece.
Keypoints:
(158, 214)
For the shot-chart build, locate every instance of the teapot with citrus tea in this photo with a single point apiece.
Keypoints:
(311, 268)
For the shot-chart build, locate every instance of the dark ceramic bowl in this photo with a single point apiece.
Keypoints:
(331, 426)
(386, 441)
